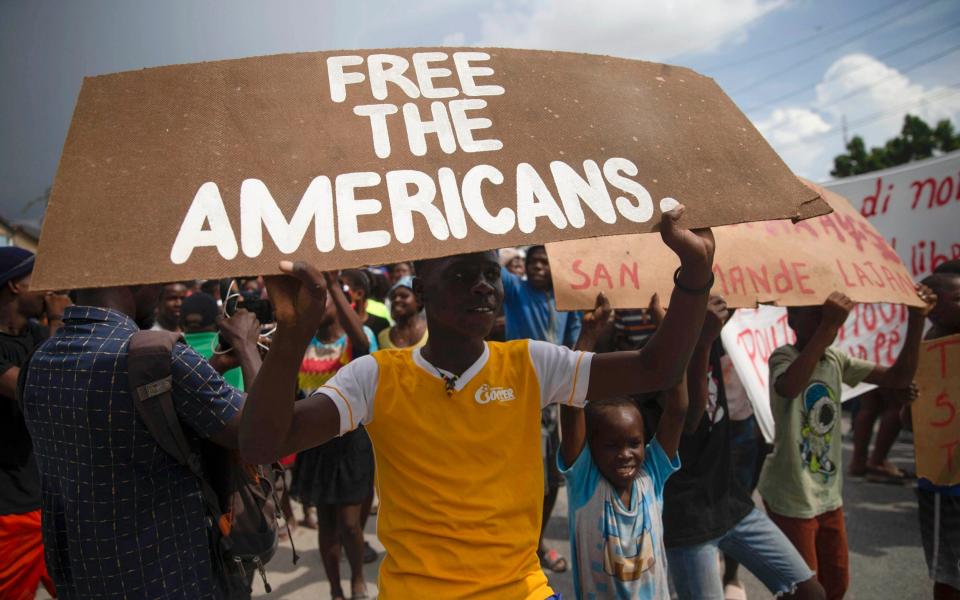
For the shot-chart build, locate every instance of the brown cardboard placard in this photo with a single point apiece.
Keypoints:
(775, 262)
(364, 157)
(936, 412)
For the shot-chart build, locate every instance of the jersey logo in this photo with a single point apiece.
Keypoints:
(487, 394)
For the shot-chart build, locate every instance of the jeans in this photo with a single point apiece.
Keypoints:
(755, 542)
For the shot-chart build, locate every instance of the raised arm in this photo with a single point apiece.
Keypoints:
(661, 364)
(348, 318)
(273, 424)
(697, 385)
(797, 376)
(573, 429)
(671, 424)
(900, 373)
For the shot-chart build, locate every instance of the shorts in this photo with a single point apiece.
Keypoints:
(940, 532)
(23, 569)
(550, 446)
(754, 542)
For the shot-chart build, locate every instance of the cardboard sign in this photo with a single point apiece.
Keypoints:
(936, 422)
(363, 157)
(778, 262)
(915, 206)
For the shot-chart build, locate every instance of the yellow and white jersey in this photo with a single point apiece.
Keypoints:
(460, 474)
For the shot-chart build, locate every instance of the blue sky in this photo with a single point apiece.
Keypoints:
(796, 67)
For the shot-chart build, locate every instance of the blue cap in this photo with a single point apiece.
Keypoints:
(14, 263)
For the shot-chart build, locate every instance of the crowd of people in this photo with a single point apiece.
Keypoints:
(452, 399)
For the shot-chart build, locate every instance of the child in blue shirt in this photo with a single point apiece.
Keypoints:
(615, 488)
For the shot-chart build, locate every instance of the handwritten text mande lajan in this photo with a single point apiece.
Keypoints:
(335, 208)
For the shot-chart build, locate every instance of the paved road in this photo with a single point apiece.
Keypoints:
(885, 553)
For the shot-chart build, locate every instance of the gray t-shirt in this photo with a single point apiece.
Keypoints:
(801, 478)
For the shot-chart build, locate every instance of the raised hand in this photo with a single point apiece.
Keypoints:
(694, 247)
(836, 309)
(716, 317)
(929, 298)
(656, 310)
(242, 328)
(299, 297)
(594, 323)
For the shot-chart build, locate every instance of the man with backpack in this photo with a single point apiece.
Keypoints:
(121, 516)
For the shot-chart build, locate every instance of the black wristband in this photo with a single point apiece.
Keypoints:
(685, 289)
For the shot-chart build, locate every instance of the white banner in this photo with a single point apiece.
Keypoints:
(917, 209)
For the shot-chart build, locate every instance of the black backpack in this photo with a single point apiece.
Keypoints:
(240, 499)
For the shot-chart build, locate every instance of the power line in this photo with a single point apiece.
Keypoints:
(779, 72)
(909, 45)
(766, 53)
(916, 65)
(897, 110)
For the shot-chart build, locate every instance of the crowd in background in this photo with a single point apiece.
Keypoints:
(678, 502)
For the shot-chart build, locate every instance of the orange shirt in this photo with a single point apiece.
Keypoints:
(460, 475)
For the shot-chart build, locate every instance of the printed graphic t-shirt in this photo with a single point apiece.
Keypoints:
(801, 478)
(460, 474)
(618, 551)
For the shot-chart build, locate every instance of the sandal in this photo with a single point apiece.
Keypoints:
(889, 474)
(552, 560)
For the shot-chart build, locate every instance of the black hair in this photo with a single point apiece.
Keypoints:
(210, 286)
(595, 408)
(938, 282)
(379, 285)
(951, 267)
(358, 280)
(200, 304)
(531, 250)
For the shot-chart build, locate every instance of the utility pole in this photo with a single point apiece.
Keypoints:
(843, 125)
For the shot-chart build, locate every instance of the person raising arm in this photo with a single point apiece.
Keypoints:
(269, 429)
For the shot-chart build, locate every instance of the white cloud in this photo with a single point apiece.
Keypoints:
(629, 28)
(454, 39)
(787, 126)
(859, 88)
(884, 89)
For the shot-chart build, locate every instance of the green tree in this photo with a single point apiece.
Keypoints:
(917, 140)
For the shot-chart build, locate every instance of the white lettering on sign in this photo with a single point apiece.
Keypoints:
(410, 192)
(453, 124)
(378, 125)
(207, 207)
(258, 207)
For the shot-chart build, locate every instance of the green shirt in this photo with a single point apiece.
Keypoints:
(379, 309)
(204, 343)
(801, 478)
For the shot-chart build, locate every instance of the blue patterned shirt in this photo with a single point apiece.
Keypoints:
(121, 519)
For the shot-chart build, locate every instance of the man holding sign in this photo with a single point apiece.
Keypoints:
(455, 425)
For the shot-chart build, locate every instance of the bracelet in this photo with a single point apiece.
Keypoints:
(706, 288)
